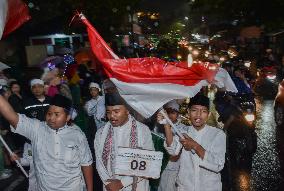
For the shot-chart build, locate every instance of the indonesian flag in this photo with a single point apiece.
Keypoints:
(147, 84)
(13, 13)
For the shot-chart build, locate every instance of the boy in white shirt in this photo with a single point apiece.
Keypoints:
(61, 155)
(202, 150)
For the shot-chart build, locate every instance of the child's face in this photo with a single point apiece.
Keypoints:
(94, 92)
(198, 115)
(173, 115)
(56, 117)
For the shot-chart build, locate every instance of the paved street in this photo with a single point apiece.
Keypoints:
(268, 161)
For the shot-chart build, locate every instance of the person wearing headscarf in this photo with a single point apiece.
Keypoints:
(122, 130)
(202, 150)
(61, 156)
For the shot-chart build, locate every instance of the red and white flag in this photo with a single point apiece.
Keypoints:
(147, 84)
(13, 13)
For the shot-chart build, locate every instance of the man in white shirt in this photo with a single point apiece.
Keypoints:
(169, 175)
(122, 130)
(202, 150)
(96, 110)
(95, 107)
(61, 155)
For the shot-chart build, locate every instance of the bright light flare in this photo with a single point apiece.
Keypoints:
(271, 77)
(247, 64)
(195, 52)
(212, 67)
(250, 117)
(189, 60)
(222, 59)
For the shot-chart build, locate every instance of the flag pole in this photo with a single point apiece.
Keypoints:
(158, 135)
(174, 127)
(10, 152)
(172, 124)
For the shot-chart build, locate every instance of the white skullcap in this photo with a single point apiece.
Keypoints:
(94, 85)
(3, 82)
(172, 105)
(36, 81)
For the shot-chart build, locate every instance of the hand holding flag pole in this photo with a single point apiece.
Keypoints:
(165, 115)
(10, 152)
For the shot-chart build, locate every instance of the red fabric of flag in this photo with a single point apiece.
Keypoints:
(17, 14)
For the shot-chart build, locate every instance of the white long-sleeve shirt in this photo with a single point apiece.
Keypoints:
(196, 174)
(169, 175)
(121, 139)
(58, 155)
(96, 108)
(174, 166)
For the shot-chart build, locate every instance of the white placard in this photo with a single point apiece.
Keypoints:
(138, 162)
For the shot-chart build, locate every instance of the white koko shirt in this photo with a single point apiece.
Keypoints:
(196, 174)
(57, 154)
(96, 108)
(174, 166)
(121, 139)
(169, 175)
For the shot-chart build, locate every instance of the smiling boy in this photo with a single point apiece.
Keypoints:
(202, 150)
(61, 155)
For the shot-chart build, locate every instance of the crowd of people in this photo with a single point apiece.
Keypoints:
(43, 135)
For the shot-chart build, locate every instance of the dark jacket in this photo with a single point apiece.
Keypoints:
(17, 103)
(33, 108)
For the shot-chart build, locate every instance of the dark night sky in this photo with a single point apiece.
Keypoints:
(167, 8)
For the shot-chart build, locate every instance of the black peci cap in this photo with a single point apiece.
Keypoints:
(61, 101)
(112, 99)
(199, 99)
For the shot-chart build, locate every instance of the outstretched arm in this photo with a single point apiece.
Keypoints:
(8, 113)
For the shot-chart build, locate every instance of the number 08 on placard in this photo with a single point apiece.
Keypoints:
(138, 165)
(138, 162)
